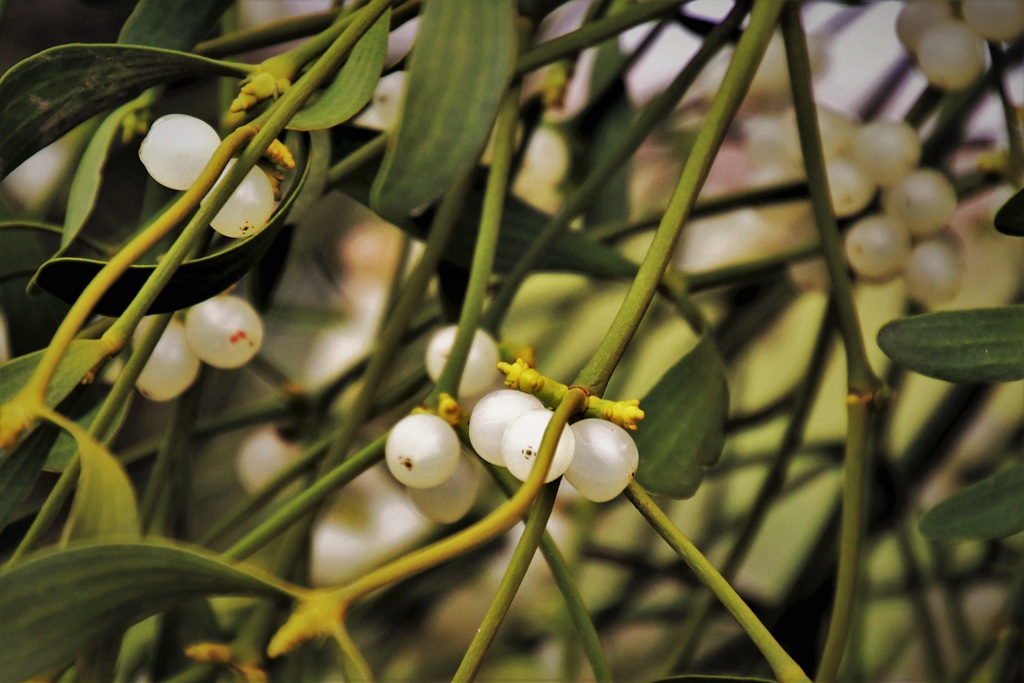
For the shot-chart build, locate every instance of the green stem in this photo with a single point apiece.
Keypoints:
(783, 666)
(356, 159)
(924, 623)
(522, 556)
(738, 76)
(581, 199)
(486, 245)
(563, 577)
(355, 665)
(1011, 119)
(750, 270)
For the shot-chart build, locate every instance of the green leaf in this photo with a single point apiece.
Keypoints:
(459, 67)
(353, 87)
(48, 94)
(195, 281)
(24, 246)
(978, 345)
(66, 447)
(78, 363)
(683, 430)
(19, 472)
(104, 506)
(54, 604)
(1010, 217)
(707, 678)
(171, 24)
(992, 508)
(85, 187)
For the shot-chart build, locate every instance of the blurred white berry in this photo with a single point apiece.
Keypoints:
(996, 20)
(923, 202)
(173, 366)
(887, 151)
(382, 114)
(934, 272)
(481, 364)
(262, 454)
(951, 55)
(876, 248)
(449, 502)
(849, 186)
(916, 17)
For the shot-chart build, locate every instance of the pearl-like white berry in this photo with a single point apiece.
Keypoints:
(481, 364)
(177, 149)
(262, 455)
(606, 459)
(887, 151)
(876, 248)
(521, 444)
(951, 55)
(224, 331)
(923, 202)
(422, 451)
(449, 502)
(492, 416)
(916, 17)
(934, 272)
(996, 20)
(850, 188)
(173, 366)
(249, 207)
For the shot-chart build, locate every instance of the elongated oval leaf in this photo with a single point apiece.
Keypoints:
(353, 87)
(48, 94)
(992, 508)
(192, 21)
(25, 246)
(196, 280)
(684, 428)
(66, 447)
(978, 345)
(53, 605)
(77, 365)
(1010, 217)
(460, 65)
(104, 506)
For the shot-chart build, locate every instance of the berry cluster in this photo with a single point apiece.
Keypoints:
(223, 331)
(506, 428)
(176, 151)
(950, 50)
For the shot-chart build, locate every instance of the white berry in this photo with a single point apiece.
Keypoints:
(521, 444)
(850, 188)
(177, 149)
(262, 455)
(876, 248)
(492, 416)
(422, 450)
(249, 207)
(481, 363)
(996, 20)
(837, 131)
(173, 366)
(934, 272)
(923, 202)
(449, 502)
(224, 331)
(606, 459)
(916, 17)
(951, 55)
(887, 151)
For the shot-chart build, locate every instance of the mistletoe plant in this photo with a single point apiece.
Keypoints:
(523, 299)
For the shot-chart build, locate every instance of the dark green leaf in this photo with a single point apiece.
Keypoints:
(195, 281)
(53, 605)
(706, 678)
(48, 94)
(992, 508)
(978, 345)
(459, 67)
(19, 472)
(1010, 218)
(683, 430)
(24, 247)
(171, 24)
(353, 87)
(605, 126)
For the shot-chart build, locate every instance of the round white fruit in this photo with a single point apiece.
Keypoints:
(887, 151)
(851, 190)
(934, 272)
(422, 451)
(262, 454)
(951, 55)
(249, 207)
(923, 202)
(172, 367)
(224, 331)
(997, 20)
(491, 417)
(916, 17)
(449, 502)
(177, 149)
(481, 364)
(606, 459)
(876, 248)
(521, 444)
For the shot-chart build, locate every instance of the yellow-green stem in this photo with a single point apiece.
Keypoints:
(783, 666)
